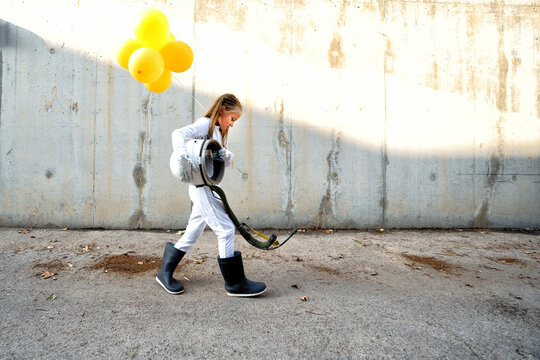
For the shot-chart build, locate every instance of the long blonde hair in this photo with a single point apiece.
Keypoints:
(231, 103)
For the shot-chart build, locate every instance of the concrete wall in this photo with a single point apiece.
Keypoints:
(358, 114)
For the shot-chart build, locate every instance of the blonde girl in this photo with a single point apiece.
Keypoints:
(207, 209)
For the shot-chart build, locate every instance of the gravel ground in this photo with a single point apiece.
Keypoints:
(86, 294)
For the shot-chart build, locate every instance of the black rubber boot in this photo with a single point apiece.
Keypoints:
(236, 283)
(171, 258)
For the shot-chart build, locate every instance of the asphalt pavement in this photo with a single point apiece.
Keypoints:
(398, 294)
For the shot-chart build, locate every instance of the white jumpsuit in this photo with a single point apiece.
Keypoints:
(207, 209)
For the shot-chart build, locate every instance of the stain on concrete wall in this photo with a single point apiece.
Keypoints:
(335, 52)
(229, 12)
(328, 207)
(283, 140)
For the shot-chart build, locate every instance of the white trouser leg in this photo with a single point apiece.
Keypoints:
(194, 229)
(217, 218)
(208, 210)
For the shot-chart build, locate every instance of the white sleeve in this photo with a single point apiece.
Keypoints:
(198, 129)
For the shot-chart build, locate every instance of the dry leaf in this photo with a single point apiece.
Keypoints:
(88, 247)
(198, 261)
(304, 298)
(47, 274)
(327, 231)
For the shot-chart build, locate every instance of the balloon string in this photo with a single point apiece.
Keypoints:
(202, 107)
(197, 101)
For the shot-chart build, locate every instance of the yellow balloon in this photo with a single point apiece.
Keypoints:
(177, 55)
(146, 65)
(161, 84)
(171, 37)
(124, 51)
(152, 28)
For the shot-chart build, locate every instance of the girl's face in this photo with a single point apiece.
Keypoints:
(227, 119)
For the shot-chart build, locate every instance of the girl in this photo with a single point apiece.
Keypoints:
(207, 210)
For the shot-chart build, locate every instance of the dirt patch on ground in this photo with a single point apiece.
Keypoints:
(323, 269)
(128, 264)
(432, 262)
(507, 260)
(52, 266)
(507, 246)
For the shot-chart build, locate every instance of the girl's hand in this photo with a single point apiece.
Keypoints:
(224, 154)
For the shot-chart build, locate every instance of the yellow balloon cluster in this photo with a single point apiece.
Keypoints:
(154, 53)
